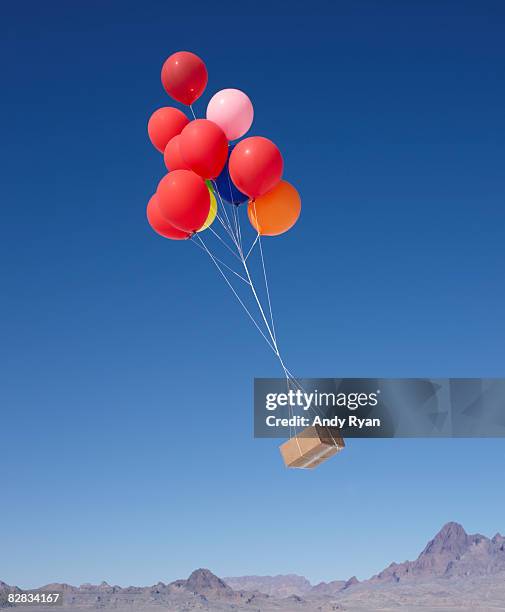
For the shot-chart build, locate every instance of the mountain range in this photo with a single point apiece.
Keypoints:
(455, 571)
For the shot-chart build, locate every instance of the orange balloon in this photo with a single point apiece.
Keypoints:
(276, 211)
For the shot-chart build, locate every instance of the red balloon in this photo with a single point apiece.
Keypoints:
(172, 156)
(255, 165)
(164, 124)
(160, 225)
(204, 147)
(184, 77)
(184, 200)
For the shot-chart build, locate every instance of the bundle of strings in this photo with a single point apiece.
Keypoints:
(230, 237)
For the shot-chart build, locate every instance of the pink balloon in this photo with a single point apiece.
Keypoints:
(232, 110)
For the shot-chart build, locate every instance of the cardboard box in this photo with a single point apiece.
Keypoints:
(311, 447)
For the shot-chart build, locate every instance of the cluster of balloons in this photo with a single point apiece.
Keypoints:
(200, 160)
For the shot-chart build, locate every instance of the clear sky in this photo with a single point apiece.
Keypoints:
(390, 119)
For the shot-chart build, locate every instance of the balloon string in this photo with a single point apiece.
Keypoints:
(235, 212)
(291, 381)
(235, 293)
(270, 330)
(223, 206)
(235, 209)
(192, 111)
(252, 247)
(225, 244)
(228, 231)
(239, 228)
(224, 225)
(253, 289)
(266, 280)
(237, 224)
(221, 262)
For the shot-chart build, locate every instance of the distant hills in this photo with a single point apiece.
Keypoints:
(455, 571)
(275, 586)
(451, 553)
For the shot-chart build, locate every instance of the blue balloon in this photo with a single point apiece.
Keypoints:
(229, 193)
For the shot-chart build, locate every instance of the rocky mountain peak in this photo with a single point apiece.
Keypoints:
(452, 538)
(203, 580)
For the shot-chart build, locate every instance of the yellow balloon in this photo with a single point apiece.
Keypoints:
(212, 211)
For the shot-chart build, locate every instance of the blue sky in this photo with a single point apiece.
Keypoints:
(115, 342)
